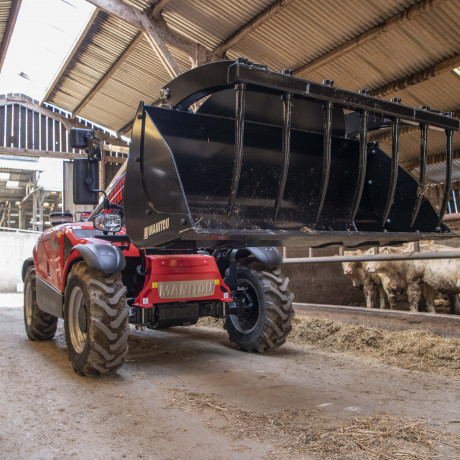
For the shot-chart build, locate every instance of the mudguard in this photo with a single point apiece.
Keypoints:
(104, 258)
(27, 263)
(266, 255)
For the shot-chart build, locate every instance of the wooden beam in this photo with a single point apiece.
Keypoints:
(159, 46)
(386, 134)
(157, 9)
(115, 148)
(111, 71)
(431, 160)
(441, 67)
(67, 122)
(118, 160)
(24, 102)
(14, 10)
(120, 10)
(386, 26)
(253, 24)
(70, 56)
(131, 15)
(40, 153)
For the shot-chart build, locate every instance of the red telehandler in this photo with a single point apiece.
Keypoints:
(237, 161)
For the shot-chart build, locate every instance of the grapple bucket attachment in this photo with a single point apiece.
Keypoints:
(272, 160)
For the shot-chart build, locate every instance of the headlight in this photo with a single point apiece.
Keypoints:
(108, 222)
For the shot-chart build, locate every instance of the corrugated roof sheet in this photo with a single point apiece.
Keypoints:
(17, 164)
(5, 8)
(297, 34)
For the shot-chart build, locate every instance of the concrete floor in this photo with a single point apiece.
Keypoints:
(49, 412)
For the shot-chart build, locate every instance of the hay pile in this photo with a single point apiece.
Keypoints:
(412, 349)
(295, 433)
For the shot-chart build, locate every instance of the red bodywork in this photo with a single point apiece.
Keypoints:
(54, 255)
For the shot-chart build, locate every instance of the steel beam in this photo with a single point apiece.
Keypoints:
(379, 257)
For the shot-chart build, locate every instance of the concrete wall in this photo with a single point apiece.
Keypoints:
(15, 247)
(320, 283)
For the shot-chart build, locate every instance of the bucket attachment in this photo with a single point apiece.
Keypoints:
(272, 160)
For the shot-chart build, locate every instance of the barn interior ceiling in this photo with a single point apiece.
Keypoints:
(131, 48)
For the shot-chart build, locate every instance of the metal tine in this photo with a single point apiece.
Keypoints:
(422, 181)
(448, 185)
(286, 152)
(326, 152)
(394, 166)
(362, 160)
(240, 91)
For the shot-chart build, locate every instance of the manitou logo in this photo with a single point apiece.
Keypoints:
(156, 228)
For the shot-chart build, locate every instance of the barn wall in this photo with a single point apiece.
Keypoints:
(16, 247)
(320, 283)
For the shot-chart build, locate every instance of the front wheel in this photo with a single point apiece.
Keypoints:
(39, 325)
(95, 320)
(266, 310)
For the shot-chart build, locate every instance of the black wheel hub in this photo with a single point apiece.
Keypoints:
(248, 307)
(82, 319)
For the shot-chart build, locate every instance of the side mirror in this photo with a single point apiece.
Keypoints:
(85, 181)
(86, 171)
(79, 137)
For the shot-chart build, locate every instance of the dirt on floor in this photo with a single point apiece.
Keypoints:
(188, 393)
(412, 349)
(299, 432)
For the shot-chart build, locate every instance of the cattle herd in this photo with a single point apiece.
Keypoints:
(423, 284)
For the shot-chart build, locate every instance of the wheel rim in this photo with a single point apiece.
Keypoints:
(247, 321)
(28, 303)
(77, 319)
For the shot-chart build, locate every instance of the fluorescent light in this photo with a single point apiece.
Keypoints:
(4, 176)
(12, 183)
(46, 204)
(457, 70)
(14, 214)
(17, 203)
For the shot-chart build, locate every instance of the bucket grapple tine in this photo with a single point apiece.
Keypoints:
(326, 156)
(286, 151)
(422, 181)
(394, 166)
(240, 106)
(445, 201)
(362, 160)
(270, 159)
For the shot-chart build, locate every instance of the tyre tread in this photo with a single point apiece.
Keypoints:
(108, 322)
(278, 311)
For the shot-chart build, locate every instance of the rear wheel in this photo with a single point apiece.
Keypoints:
(95, 320)
(39, 325)
(266, 310)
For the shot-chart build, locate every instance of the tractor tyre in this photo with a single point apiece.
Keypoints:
(268, 310)
(39, 325)
(95, 320)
